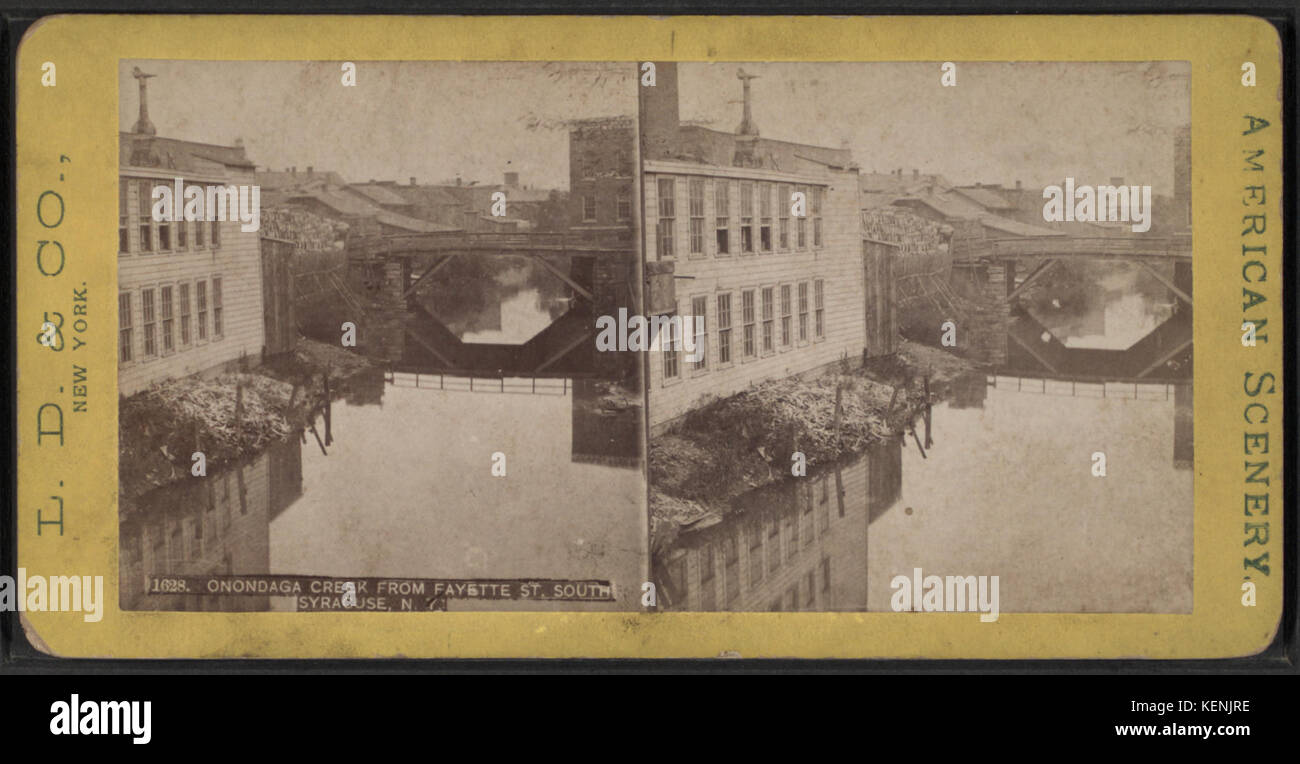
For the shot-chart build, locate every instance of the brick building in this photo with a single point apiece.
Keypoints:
(189, 293)
(779, 294)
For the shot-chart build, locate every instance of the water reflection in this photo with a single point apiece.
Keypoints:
(1005, 489)
(421, 505)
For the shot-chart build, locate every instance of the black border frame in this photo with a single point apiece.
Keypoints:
(18, 657)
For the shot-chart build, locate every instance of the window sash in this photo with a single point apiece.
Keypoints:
(168, 320)
(724, 328)
(125, 327)
(216, 308)
(185, 313)
(201, 296)
(699, 312)
(148, 320)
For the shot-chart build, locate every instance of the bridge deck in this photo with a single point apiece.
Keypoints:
(460, 242)
(1099, 247)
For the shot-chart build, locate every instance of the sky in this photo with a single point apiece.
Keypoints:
(430, 120)
(1036, 122)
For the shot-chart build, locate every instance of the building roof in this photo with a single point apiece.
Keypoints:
(380, 194)
(271, 180)
(138, 150)
(716, 147)
(1015, 227)
(948, 204)
(987, 198)
(900, 184)
(350, 205)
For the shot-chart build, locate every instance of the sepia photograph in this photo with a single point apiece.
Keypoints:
(356, 357)
(939, 355)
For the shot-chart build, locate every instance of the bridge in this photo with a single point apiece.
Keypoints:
(390, 271)
(1162, 355)
(1048, 251)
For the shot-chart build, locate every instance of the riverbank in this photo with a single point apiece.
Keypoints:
(159, 429)
(746, 441)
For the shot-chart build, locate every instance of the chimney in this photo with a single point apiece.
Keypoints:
(309, 169)
(747, 126)
(294, 169)
(1018, 185)
(458, 180)
(512, 180)
(412, 180)
(916, 173)
(142, 125)
(659, 113)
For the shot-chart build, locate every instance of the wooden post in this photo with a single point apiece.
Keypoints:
(839, 391)
(928, 440)
(919, 447)
(317, 434)
(239, 412)
(329, 411)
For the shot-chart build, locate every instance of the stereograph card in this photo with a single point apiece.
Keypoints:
(627, 337)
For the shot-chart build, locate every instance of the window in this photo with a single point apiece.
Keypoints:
(708, 594)
(803, 311)
(668, 346)
(624, 206)
(724, 328)
(769, 312)
(667, 215)
(216, 224)
(699, 310)
(801, 225)
(124, 334)
(791, 598)
(819, 308)
(123, 208)
(168, 321)
(697, 215)
(731, 556)
(165, 234)
(216, 307)
(792, 522)
(722, 205)
(765, 216)
(199, 234)
(182, 227)
(185, 313)
(146, 215)
(747, 318)
(783, 217)
(149, 322)
(826, 574)
(817, 216)
(746, 217)
(785, 315)
(755, 553)
(773, 545)
(201, 294)
(812, 588)
(588, 207)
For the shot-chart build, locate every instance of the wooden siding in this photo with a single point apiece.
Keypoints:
(838, 262)
(237, 262)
